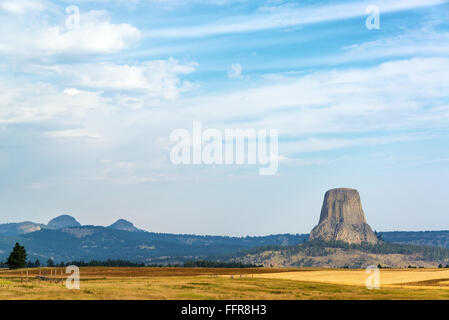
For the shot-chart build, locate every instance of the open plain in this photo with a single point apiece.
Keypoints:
(233, 284)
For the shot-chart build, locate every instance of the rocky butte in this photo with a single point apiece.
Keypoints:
(342, 218)
(63, 221)
(122, 224)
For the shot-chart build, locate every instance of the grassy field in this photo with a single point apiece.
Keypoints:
(391, 278)
(203, 283)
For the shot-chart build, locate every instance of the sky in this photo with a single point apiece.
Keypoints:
(87, 107)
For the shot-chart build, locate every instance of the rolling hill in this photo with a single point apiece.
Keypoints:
(123, 241)
(65, 239)
(339, 254)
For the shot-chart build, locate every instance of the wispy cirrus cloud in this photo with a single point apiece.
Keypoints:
(280, 16)
(414, 42)
(389, 96)
(72, 134)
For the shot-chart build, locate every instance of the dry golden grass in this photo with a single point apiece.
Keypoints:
(113, 272)
(234, 284)
(388, 277)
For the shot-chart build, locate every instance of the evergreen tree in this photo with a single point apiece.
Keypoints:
(50, 263)
(17, 258)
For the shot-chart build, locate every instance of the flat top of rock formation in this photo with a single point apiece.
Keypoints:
(342, 205)
(342, 189)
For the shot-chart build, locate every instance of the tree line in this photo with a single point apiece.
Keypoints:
(18, 259)
(323, 248)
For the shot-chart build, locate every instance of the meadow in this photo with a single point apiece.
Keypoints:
(233, 284)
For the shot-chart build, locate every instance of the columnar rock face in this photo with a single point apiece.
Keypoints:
(342, 218)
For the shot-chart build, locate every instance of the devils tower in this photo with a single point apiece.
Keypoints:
(342, 218)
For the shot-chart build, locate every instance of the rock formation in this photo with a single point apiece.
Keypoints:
(122, 224)
(14, 229)
(63, 221)
(342, 218)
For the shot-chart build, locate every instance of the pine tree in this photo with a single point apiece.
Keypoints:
(18, 257)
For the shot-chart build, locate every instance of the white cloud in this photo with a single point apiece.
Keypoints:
(393, 95)
(156, 79)
(30, 102)
(322, 144)
(72, 133)
(71, 91)
(235, 71)
(126, 172)
(21, 6)
(306, 162)
(96, 35)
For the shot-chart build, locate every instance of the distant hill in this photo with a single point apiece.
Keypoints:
(101, 243)
(63, 221)
(124, 225)
(19, 228)
(12, 229)
(422, 238)
(65, 239)
(339, 254)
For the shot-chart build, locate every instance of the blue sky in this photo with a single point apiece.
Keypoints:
(86, 112)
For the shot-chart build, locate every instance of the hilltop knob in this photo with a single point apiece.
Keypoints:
(63, 221)
(122, 224)
(342, 218)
